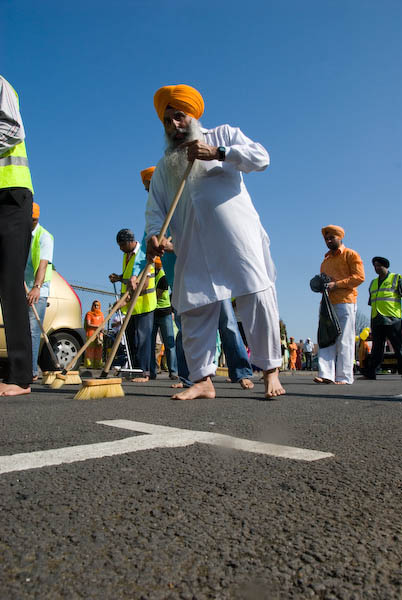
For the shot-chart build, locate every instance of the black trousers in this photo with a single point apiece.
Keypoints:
(379, 334)
(15, 241)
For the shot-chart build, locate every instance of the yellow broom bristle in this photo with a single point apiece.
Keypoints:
(49, 376)
(103, 390)
(73, 378)
(58, 382)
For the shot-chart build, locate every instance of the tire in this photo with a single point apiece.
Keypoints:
(65, 347)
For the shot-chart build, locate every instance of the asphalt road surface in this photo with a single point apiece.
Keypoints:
(143, 497)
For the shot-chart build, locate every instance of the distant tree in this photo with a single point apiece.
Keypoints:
(362, 321)
(283, 331)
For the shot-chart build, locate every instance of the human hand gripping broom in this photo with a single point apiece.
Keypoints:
(112, 388)
(48, 344)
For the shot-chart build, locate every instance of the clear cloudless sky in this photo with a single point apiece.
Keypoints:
(317, 82)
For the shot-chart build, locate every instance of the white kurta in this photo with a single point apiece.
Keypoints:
(222, 249)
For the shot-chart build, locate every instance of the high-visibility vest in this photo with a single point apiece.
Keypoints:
(35, 253)
(146, 301)
(164, 299)
(385, 299)
(14, 168)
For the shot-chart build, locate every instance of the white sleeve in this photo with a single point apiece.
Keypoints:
(11, 126)
(243, 153)
(46, 247)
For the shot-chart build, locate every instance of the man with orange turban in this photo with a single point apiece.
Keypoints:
(345, 269)
(38, 274)
(221, 247)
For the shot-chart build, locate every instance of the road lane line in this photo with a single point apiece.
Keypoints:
(157, 436)
(224, 441)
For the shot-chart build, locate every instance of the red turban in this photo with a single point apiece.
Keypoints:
(182, 97)
(333, 230)
(35, 210)
(146, 174)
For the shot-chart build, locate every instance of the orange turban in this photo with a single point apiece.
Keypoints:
(334, 230)
(35, 210)
(182, 97)
(146, 174)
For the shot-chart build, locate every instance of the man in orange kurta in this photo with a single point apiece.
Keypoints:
(345, 268)
(292, 347)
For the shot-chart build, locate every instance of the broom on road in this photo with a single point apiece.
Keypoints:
(112, 388)
(70, 377)
(45, 374)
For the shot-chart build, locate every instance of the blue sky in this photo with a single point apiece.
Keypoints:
(318, 83)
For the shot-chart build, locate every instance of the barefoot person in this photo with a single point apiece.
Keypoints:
(15, 240)
(222, 249)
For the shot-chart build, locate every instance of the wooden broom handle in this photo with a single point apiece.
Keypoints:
(145, 272)
(48, 344)
(115, 308)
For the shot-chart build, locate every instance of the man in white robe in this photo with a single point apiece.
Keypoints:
(222, 249)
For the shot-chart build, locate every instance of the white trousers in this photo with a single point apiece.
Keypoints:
(260, 319)
(336, 362)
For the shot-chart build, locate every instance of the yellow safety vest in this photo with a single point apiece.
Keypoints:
(147, 299)
(164, 298)
(385, 299)
(35, 253)
(14, 168)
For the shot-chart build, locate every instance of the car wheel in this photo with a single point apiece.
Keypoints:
(65, 346)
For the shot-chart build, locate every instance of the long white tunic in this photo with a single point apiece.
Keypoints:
(222, 249)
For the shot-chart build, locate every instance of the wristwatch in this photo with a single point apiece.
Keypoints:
(37, 285)
(221, 153)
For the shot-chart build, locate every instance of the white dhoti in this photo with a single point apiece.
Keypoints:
(260, 318)
(336, 362)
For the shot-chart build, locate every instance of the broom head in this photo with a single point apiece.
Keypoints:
(92, 389)
(49, 376)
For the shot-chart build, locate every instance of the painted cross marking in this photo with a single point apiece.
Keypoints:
(158, 436)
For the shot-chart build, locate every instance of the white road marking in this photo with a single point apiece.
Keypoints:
(158, 436)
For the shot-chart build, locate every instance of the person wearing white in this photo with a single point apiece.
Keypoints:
(339, 357)
(222, 249)
(37, 282)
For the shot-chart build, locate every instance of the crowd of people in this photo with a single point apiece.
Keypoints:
(214, 218)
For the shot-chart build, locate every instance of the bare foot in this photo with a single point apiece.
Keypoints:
(246, 384)
(177, 385)
(341, 383)
(12, 389)
(140, 379)
(273, 387)
(322, 380)
(201, 389)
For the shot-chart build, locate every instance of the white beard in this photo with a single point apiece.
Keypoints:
(176, 158)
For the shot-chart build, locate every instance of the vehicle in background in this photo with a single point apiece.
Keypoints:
(63, 325)
(389, 361)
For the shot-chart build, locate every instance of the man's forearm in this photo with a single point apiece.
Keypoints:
(41, 273)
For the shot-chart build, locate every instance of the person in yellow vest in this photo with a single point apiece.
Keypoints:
(15, 238)
(164, 322)
(139, 329)
(38, 274)
(385, 301)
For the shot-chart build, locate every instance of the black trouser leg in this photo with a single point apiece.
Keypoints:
(375, 358)
(15, 241)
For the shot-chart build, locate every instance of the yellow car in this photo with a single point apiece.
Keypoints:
(63, 325)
